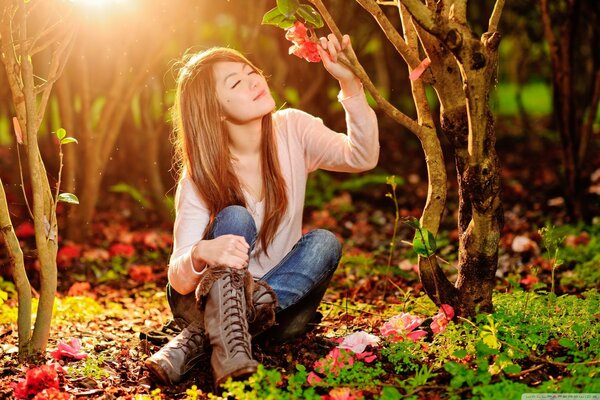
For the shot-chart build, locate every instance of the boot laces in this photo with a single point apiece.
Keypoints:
(191, 339)
(237, 335)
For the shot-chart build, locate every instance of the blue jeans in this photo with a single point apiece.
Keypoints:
(299, 280)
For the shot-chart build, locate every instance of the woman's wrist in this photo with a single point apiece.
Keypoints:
(198, 264)
(350, 87)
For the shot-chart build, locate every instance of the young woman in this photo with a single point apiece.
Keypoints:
(240, 263)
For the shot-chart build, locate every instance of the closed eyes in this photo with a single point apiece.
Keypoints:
(239, 81)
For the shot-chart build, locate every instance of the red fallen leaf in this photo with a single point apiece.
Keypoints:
(79, 288)
(25, 230)
(121, 250)
(418, 71)
(36, 380)
(529, 280)
(52, 394)
(141, 273)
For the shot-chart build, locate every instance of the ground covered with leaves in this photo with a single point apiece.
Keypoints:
(380, 336)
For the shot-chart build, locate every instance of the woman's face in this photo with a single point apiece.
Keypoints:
(243, 93)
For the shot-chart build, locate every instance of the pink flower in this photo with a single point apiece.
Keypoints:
(70, 350)
(403, 325)
(297, 33)
(303, 46)
(366, 356)
(36, 380)
(357, 342)
(441, 319)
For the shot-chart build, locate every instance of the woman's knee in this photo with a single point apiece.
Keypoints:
(326, 243)
(235, 220)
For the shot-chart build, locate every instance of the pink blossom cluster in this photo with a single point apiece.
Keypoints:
(303, 46)
(351, 349)
(404, 326)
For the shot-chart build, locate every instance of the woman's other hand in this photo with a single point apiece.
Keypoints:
(329, 49)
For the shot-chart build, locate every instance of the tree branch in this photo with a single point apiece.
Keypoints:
(421, 14)
(410, 55)
(495, 17)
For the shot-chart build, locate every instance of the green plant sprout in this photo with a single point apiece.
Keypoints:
(551, 241)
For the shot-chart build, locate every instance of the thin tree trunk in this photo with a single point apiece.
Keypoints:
(17, 270)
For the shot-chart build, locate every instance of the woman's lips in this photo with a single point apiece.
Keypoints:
(260, 94)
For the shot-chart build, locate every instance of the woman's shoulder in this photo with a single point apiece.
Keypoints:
(291, 118)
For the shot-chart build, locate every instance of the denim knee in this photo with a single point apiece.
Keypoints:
(235, 220)
(325, 242)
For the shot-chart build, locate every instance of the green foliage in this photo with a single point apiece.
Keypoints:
(91, 367)
(405, 355)
(288, 11)
(321, 188)
(267, 384)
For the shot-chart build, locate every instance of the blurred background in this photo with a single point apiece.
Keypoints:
(117, 88)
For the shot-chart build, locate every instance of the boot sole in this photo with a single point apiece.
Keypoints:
(238, 375)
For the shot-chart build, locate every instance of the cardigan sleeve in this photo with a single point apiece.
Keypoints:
(356, 151)
(191, 219)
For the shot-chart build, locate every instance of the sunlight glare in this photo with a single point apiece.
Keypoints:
(102, 4)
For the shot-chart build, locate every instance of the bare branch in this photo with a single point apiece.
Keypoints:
(410, 55)
(418, 90)
(495, 17)
(421, 14)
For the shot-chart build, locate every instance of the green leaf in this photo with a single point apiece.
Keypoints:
(460, 353)
(512, 369)
(288, 7)
(275, 17)
(412, 222)
(424, 243)
(60, 134)
(310, 16)
(68, 140)
(68, 198)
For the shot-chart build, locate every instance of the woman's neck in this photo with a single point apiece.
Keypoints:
(245, 139)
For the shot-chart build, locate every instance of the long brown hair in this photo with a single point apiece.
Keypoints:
(202, 144)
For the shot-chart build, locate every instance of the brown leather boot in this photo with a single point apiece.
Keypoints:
(226, 323)
(180, 355)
